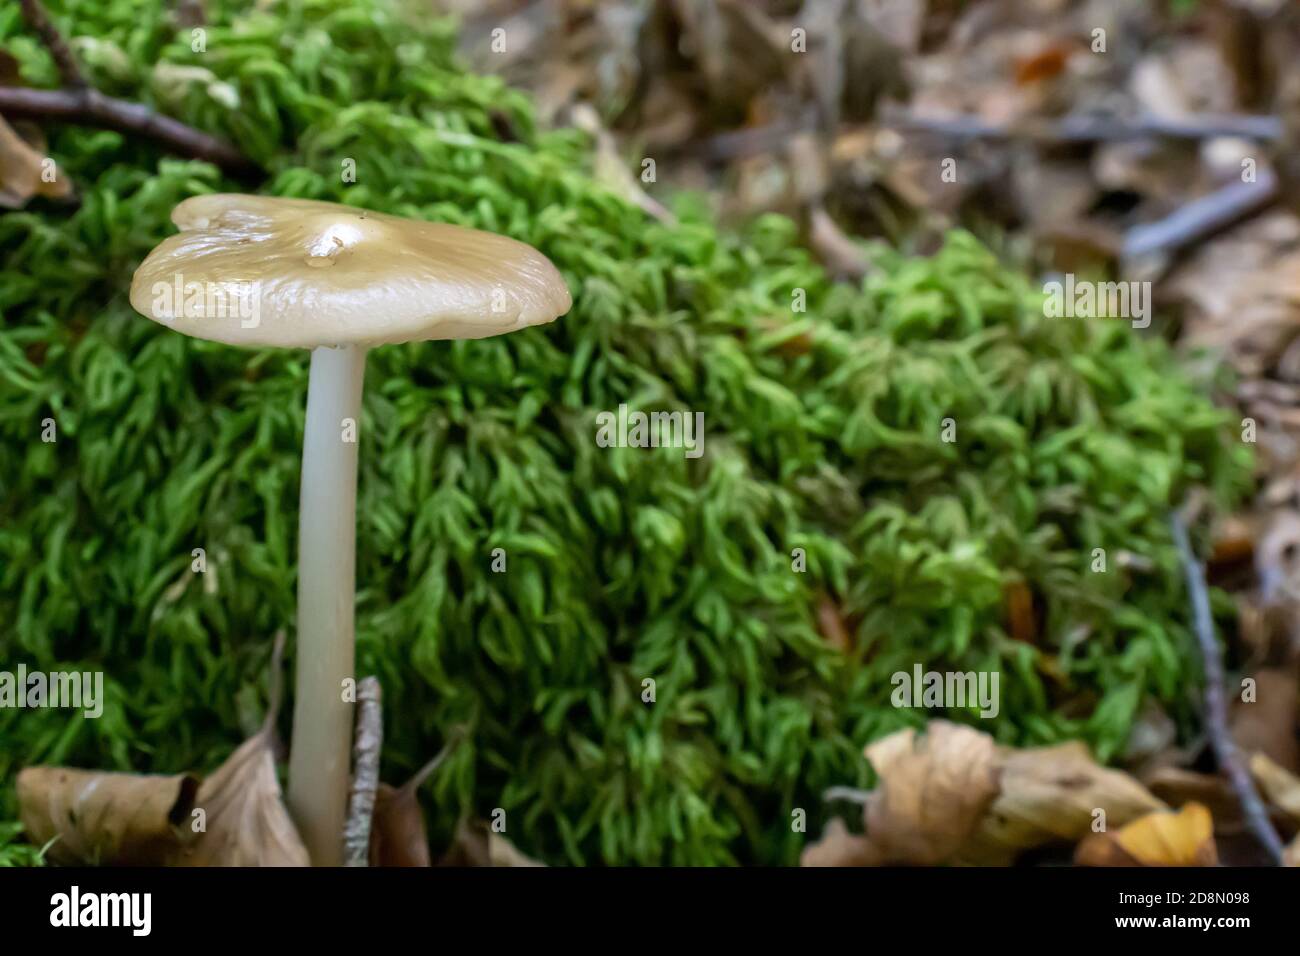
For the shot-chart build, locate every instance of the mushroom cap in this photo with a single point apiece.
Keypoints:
(297, 273)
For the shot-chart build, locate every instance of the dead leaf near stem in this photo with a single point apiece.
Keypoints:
(934, 789)
(953, 796)
(245, 820)
(477, 844)
(1163, 838)
(1052, 795)
(25, 171)
(92, 817)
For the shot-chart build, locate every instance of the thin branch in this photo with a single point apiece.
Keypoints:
(454, 739)
(366, 746)
(851, 794)
(1094, 128)
(1216, 711)
(83, 105)
(276, 694)
(36, 17)
(89, 107)
(1202, 217)
(1081, 129)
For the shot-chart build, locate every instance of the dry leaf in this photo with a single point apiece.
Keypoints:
(1280, 787)
(397, 833)
(1163, 838)
(839, 847)
(245, 818)
(25, 172)
(1018, 600)
(1268, 723)
(104, 818)
(476, 844)
(934, 789)
(1050, 794)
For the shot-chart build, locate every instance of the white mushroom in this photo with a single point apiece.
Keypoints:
(294, 273)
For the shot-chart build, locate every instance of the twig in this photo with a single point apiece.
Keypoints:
(86, 106)
(851, 794)
(366, 746)
(1082, 129)
(89, 107)
(1216, 712)
(276, 694)
(1202, 217)
(1094, 128)
(453, 741)
(36, 17)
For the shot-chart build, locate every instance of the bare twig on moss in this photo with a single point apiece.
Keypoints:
(36, 17)
(85, 106)
(454, 740)
(367, 744)
(1216, 711)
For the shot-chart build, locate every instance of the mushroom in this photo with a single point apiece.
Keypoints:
(295, 273)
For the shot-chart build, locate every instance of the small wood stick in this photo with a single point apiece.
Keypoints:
(366, 746)
(36, 17)
(1216, 710)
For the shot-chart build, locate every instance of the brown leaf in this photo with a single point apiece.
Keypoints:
(1268, 723)
(397, 833)
(476, 844)
(1163, 838)
(104, 818)
(1022, 624)
(25, 172)
(839, 847)
(245, 818)
(934, 789)
(1280, 787)
(1050, 794)
(830, 622)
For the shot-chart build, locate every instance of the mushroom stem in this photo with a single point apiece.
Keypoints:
(322, 719)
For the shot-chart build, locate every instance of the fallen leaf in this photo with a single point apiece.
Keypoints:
(245, 822)
(25, 172)
(397, 834)
(89, 817)
(1163, 838)
(476, 844)
(1049, 795)
(1019, 601)
(839, 847)
(934, 789)
(1268, 723)
(1280, 787)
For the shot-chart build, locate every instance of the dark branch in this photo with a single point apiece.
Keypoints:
(1070, 130)
(1216, 710)
(36, 17)
(1203, 217)
(88, 107)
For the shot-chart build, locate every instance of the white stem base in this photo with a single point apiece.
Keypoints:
(322, 721)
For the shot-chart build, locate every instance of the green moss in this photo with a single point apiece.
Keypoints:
(822, 433)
